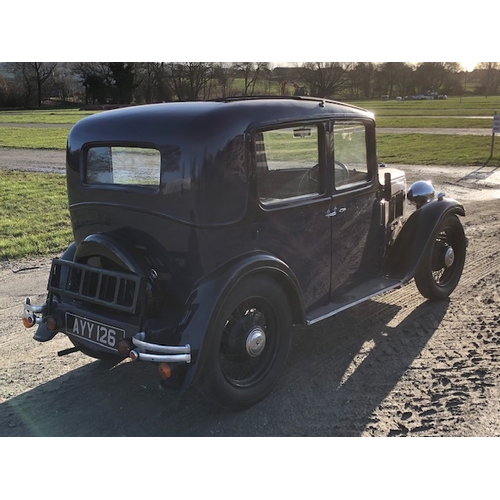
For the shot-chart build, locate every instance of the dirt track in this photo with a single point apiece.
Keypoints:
(396, 365)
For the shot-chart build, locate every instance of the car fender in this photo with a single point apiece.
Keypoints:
(405, 254)
(206, 299)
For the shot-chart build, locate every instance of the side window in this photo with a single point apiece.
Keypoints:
(287, 164)
(123, 165)
(349, 153)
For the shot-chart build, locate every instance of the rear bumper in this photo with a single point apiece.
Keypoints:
(140, 349)
(146, 351)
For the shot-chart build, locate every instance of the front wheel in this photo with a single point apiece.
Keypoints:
(248, 344)
(443, 262)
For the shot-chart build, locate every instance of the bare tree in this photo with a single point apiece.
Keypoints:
(33, 76)
(153, 85)
(224, 74)
(489, 77)
(361, 77)
(395, 76)
(251, 72)
(326, 79)
(188, 79)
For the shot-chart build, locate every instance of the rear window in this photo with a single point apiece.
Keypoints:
(130, 166)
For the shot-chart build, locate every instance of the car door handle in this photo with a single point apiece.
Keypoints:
(332, 212)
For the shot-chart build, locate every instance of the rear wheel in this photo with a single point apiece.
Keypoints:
(443, 262)
(248, 345)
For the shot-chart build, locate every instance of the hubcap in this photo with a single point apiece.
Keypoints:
(449, 257)
(256, 342)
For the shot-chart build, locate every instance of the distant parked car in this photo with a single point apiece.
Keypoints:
(203, 231)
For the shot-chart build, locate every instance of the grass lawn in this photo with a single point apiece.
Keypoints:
(425, 149)
(34, 217)
(33, 137)
(63, 116)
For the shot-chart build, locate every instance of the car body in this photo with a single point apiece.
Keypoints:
(203, 231)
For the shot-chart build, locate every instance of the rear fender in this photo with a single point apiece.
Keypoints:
(206, 300)
(404, 256)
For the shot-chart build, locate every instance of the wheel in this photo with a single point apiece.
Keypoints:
(443, 262)
(248, 345)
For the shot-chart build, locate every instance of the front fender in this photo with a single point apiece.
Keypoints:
(207, 298)
(403, 257)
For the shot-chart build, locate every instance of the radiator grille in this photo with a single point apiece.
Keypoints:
(113, 289)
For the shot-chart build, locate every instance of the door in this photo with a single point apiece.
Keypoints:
(353, 212)
(294, 196)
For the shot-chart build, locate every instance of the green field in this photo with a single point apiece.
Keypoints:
(26, 199)
(455, 112)
(34, 217)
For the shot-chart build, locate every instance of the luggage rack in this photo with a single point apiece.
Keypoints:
(113, 289)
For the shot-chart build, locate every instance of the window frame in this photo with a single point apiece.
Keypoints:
(151, 188)
(322, 149)
(369, 136)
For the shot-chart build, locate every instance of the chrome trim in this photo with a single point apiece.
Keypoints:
(146, 351)
(30, 311)
(330, 314)
(420, 193)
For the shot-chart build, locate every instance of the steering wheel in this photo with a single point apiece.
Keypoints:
(341, 173)
(341, 176)
(311, 176)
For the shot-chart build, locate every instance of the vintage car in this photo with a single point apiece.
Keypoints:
(204, 231)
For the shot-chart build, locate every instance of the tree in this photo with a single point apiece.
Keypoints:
(122, 82)
(325, 79)
(395, 78)
(152, 82)
(33, 76)
(188, 79)
(96, 79)
(362, 77)
(224, 74)
(251, 73)
(489, 78)
(440, 77)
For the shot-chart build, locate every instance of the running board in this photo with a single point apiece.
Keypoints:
(356, 296)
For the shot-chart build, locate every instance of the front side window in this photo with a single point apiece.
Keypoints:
(349, 153)
(123, 166)
(288, 164)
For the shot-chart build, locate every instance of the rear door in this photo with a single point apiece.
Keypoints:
(294, 195)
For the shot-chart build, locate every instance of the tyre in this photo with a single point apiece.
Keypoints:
(443, 262)
(248, 345)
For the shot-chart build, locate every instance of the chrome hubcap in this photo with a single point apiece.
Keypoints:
(256, 342)
(449, 257)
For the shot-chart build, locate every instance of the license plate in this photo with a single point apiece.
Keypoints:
(93, 331)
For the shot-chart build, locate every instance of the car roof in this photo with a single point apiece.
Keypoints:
(163, 123)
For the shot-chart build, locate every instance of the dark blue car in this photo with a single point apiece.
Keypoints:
(203, 231)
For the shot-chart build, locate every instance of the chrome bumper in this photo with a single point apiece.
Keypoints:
(145, 351)
(30, 312)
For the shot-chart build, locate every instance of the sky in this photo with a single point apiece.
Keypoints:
(257, 31)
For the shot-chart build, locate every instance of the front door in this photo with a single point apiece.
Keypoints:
(353, 204)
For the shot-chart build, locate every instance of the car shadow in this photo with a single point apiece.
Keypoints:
(337, 375)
